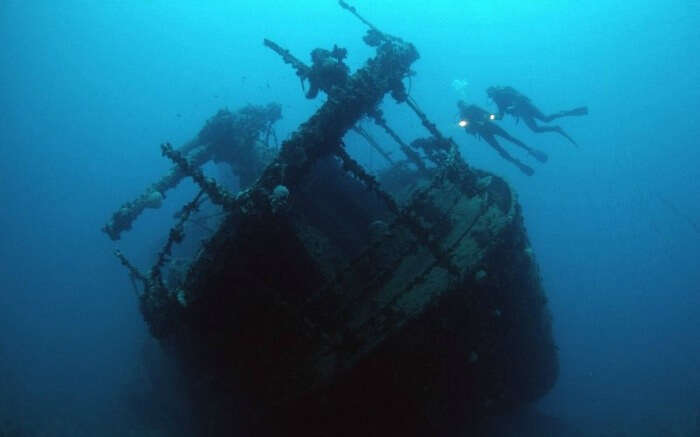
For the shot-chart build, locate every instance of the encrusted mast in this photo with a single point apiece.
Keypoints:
(230, 137)
(336, 302)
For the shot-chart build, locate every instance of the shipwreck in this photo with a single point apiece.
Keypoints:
(332, 301)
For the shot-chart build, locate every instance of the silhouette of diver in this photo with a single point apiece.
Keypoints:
(510, 101)
(477, 121)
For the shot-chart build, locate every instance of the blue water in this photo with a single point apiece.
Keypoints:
(90, 89)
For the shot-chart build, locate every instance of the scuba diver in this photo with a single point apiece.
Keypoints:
(477, 121)
(327, 70)
(510, 101)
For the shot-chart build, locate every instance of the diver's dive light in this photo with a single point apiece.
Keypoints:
(492, 116)
(463, 123)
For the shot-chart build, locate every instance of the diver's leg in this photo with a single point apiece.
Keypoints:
(535, 113)
(581, 110)
(530, 122)
(537, 154)
(505, 155)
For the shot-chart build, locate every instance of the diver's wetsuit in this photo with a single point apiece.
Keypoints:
(477, 123)
(510, 101)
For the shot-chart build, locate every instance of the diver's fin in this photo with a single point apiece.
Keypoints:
(564, 134)
(525, 168)
(538, 155)
(583, 110)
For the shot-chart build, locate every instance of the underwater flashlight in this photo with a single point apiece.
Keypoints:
(492, 117)
(463, 123)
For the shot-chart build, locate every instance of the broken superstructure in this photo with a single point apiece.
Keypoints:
(334, 302)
